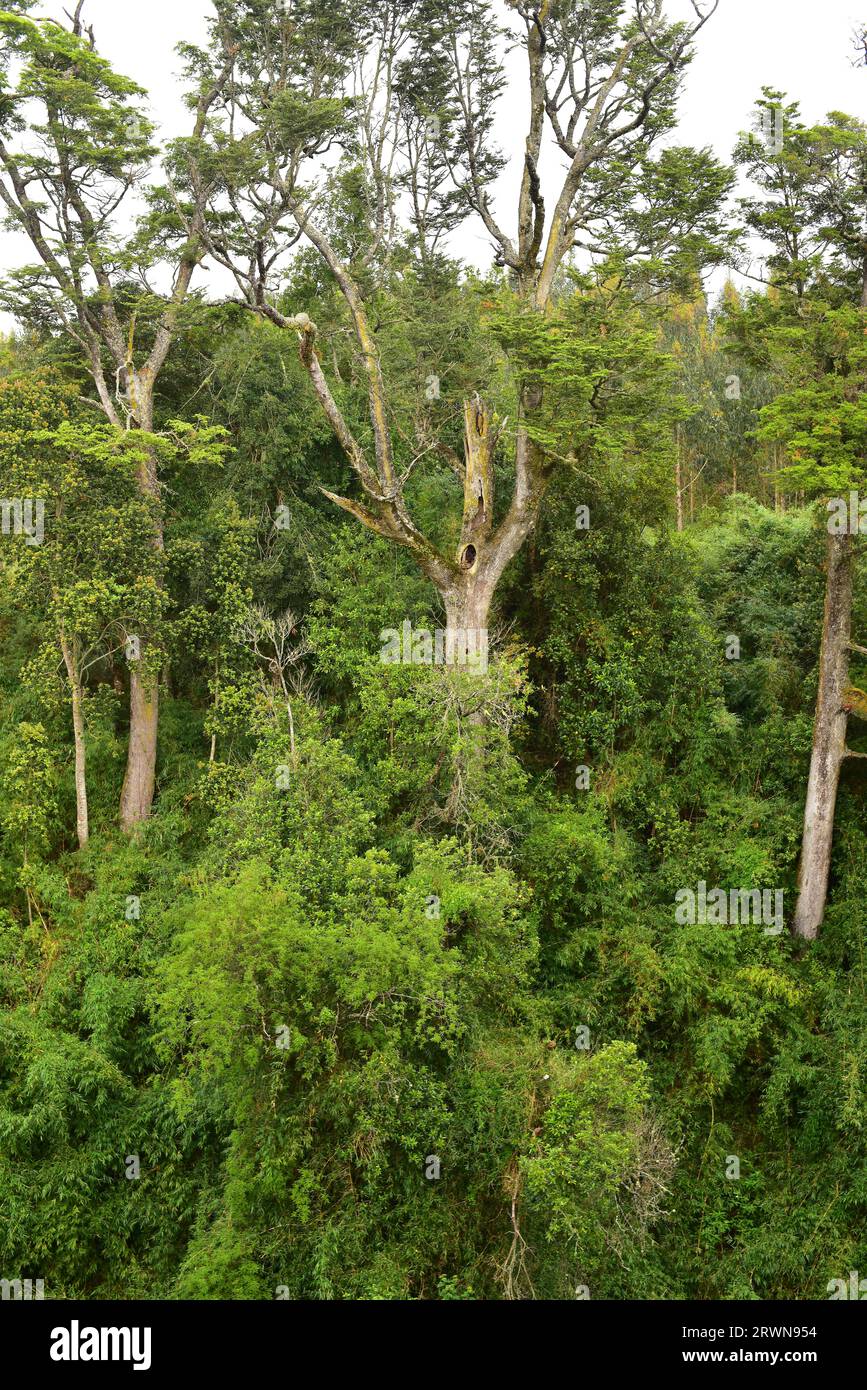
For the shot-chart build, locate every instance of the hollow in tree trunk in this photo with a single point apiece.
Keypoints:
(484, 552)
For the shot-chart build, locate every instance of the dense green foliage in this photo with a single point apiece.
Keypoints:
(385, 1001)
(331, 981)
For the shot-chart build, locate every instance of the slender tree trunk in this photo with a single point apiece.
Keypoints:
(137, 796)
(691, 495)
(213, 753)
(678, 483)
(829, 740)
(81, 812)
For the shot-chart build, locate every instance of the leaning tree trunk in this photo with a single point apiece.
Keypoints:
(137, 795)
(829, 740)
(81, 811)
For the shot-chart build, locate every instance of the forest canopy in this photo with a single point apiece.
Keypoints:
(433, 815)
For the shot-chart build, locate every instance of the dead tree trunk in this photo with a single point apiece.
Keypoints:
(600, 130)
(467, 583)
(483, 553)
(829, 740)
(467, 598)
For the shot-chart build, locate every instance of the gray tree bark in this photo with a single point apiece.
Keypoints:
(137, 794)
(70, 655)
(829, 740)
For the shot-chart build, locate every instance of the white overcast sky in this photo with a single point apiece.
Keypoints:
(800, 46)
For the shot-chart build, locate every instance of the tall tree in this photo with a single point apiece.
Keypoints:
(334, 111)
(90, 577)
(69, 193)
(813, 213)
